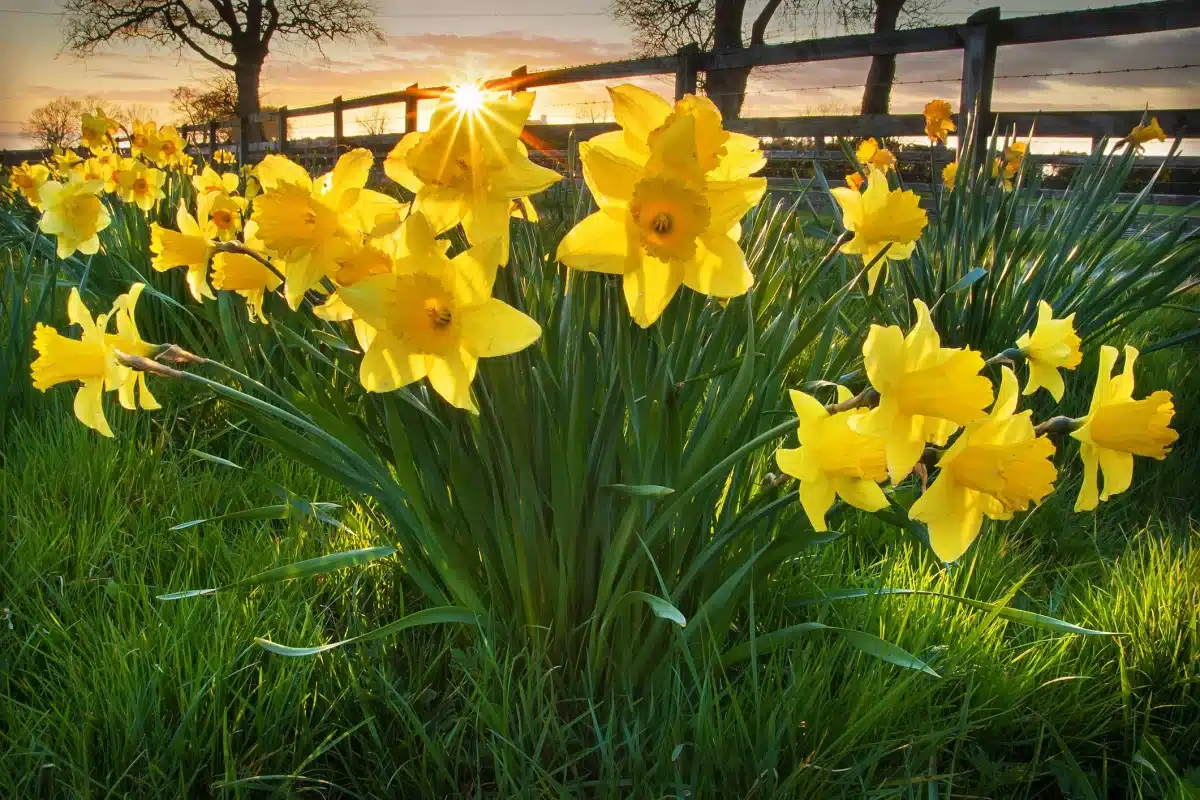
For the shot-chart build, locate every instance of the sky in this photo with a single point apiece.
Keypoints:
(467, 39)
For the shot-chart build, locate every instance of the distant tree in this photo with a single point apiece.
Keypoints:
(196, 106)
(56, 124)
(663, 26)
(375, 123)
(234, 35)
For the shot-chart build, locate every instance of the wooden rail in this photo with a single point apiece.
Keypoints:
(979, 38)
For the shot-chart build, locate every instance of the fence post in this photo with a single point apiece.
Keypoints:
(410, 111)
(337, 126)
(517, 74)
(687, 70)
(212, 139)
(281, 117)
(244, 127)
(978, 72)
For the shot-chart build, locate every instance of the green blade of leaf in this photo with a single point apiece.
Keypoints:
(430, 616)
(641, 490)
(660, 607)
(300, 569)
(866, 642)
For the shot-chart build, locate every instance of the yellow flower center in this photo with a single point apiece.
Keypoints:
(668, 217)
(1141, 427)
(1014, 474)
(139, 140)
(24, 181)
(82, 212)
(439, 312)
(140, 186)
(168, 148)
(222, 218)
(422, 311)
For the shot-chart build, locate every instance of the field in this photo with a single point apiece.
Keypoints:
(1056, 658)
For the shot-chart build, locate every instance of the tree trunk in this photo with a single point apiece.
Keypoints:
(877, 94)
(727, 87)
(248, 71)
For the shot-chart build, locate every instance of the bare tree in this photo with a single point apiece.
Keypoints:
(196, 106)
(375, 123)
(56, 124)
(663, 26)
(235, 35)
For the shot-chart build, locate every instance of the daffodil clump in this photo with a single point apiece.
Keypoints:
(413, 284)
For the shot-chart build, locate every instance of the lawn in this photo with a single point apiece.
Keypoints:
(110, 692)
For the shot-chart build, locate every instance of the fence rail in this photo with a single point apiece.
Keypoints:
(979, 38)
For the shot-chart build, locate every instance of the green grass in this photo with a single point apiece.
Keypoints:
(107, 692)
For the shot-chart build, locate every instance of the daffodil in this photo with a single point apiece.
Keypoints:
(435, 317)
(1007, 170)
(870, 154)
(996, 466)
(855, 181)
(141, 185)
(662, 224)
(191, 246)
(833, 460)
(926, 391)
(246, 275)
(170, 146)
(209, 181)
(470, 166)
(641, 114)
(1148, 132)
(879, 218)
(224, 157)
(144, 141)
(937, 121)
(65, 161)
(224, 212)
(1052, 345)
(88, 360)
(129, 341)
(73, 213)
(949, 174)
(28, 180)
(96, 131)
(1117, 428)
(310, 223)
(95, 169)
(185, 164)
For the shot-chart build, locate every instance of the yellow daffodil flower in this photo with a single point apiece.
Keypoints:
(1052, 345)
(89, 360)
(97, 130)
(833, 460)
(870, 154)
(28, 180)
(662, 224)
(937, 121)
(996, 466)
(224, 157)
(1149, 132)
(925, 390)
(855, 181)
(185, 164)
(310, 223)
(949, 174)
(879, 218)
(435, 317)
(190, 247)
(209, 181)
(470, 166)
(170, 146)
(1117, 428)
(144, 141)
(246, 275)
(65, 161)
(117, 166)
(224, 212)
(95, 169)
(73, 213)
(129, 341)
(141, 185)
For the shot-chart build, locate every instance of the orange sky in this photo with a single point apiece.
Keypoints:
(472, 38)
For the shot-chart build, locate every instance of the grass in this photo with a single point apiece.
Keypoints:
(106, 691)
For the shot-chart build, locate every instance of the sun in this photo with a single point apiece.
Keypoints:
(468, 97)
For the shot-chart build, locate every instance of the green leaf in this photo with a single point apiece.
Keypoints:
(968, 280)
(868, 643)
(430, 616)
(224, 462)
(660, 607)
(300, 569)
(1030, 618)
(641, 490)
(274, 511)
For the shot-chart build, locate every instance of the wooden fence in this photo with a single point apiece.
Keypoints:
(978, 38)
